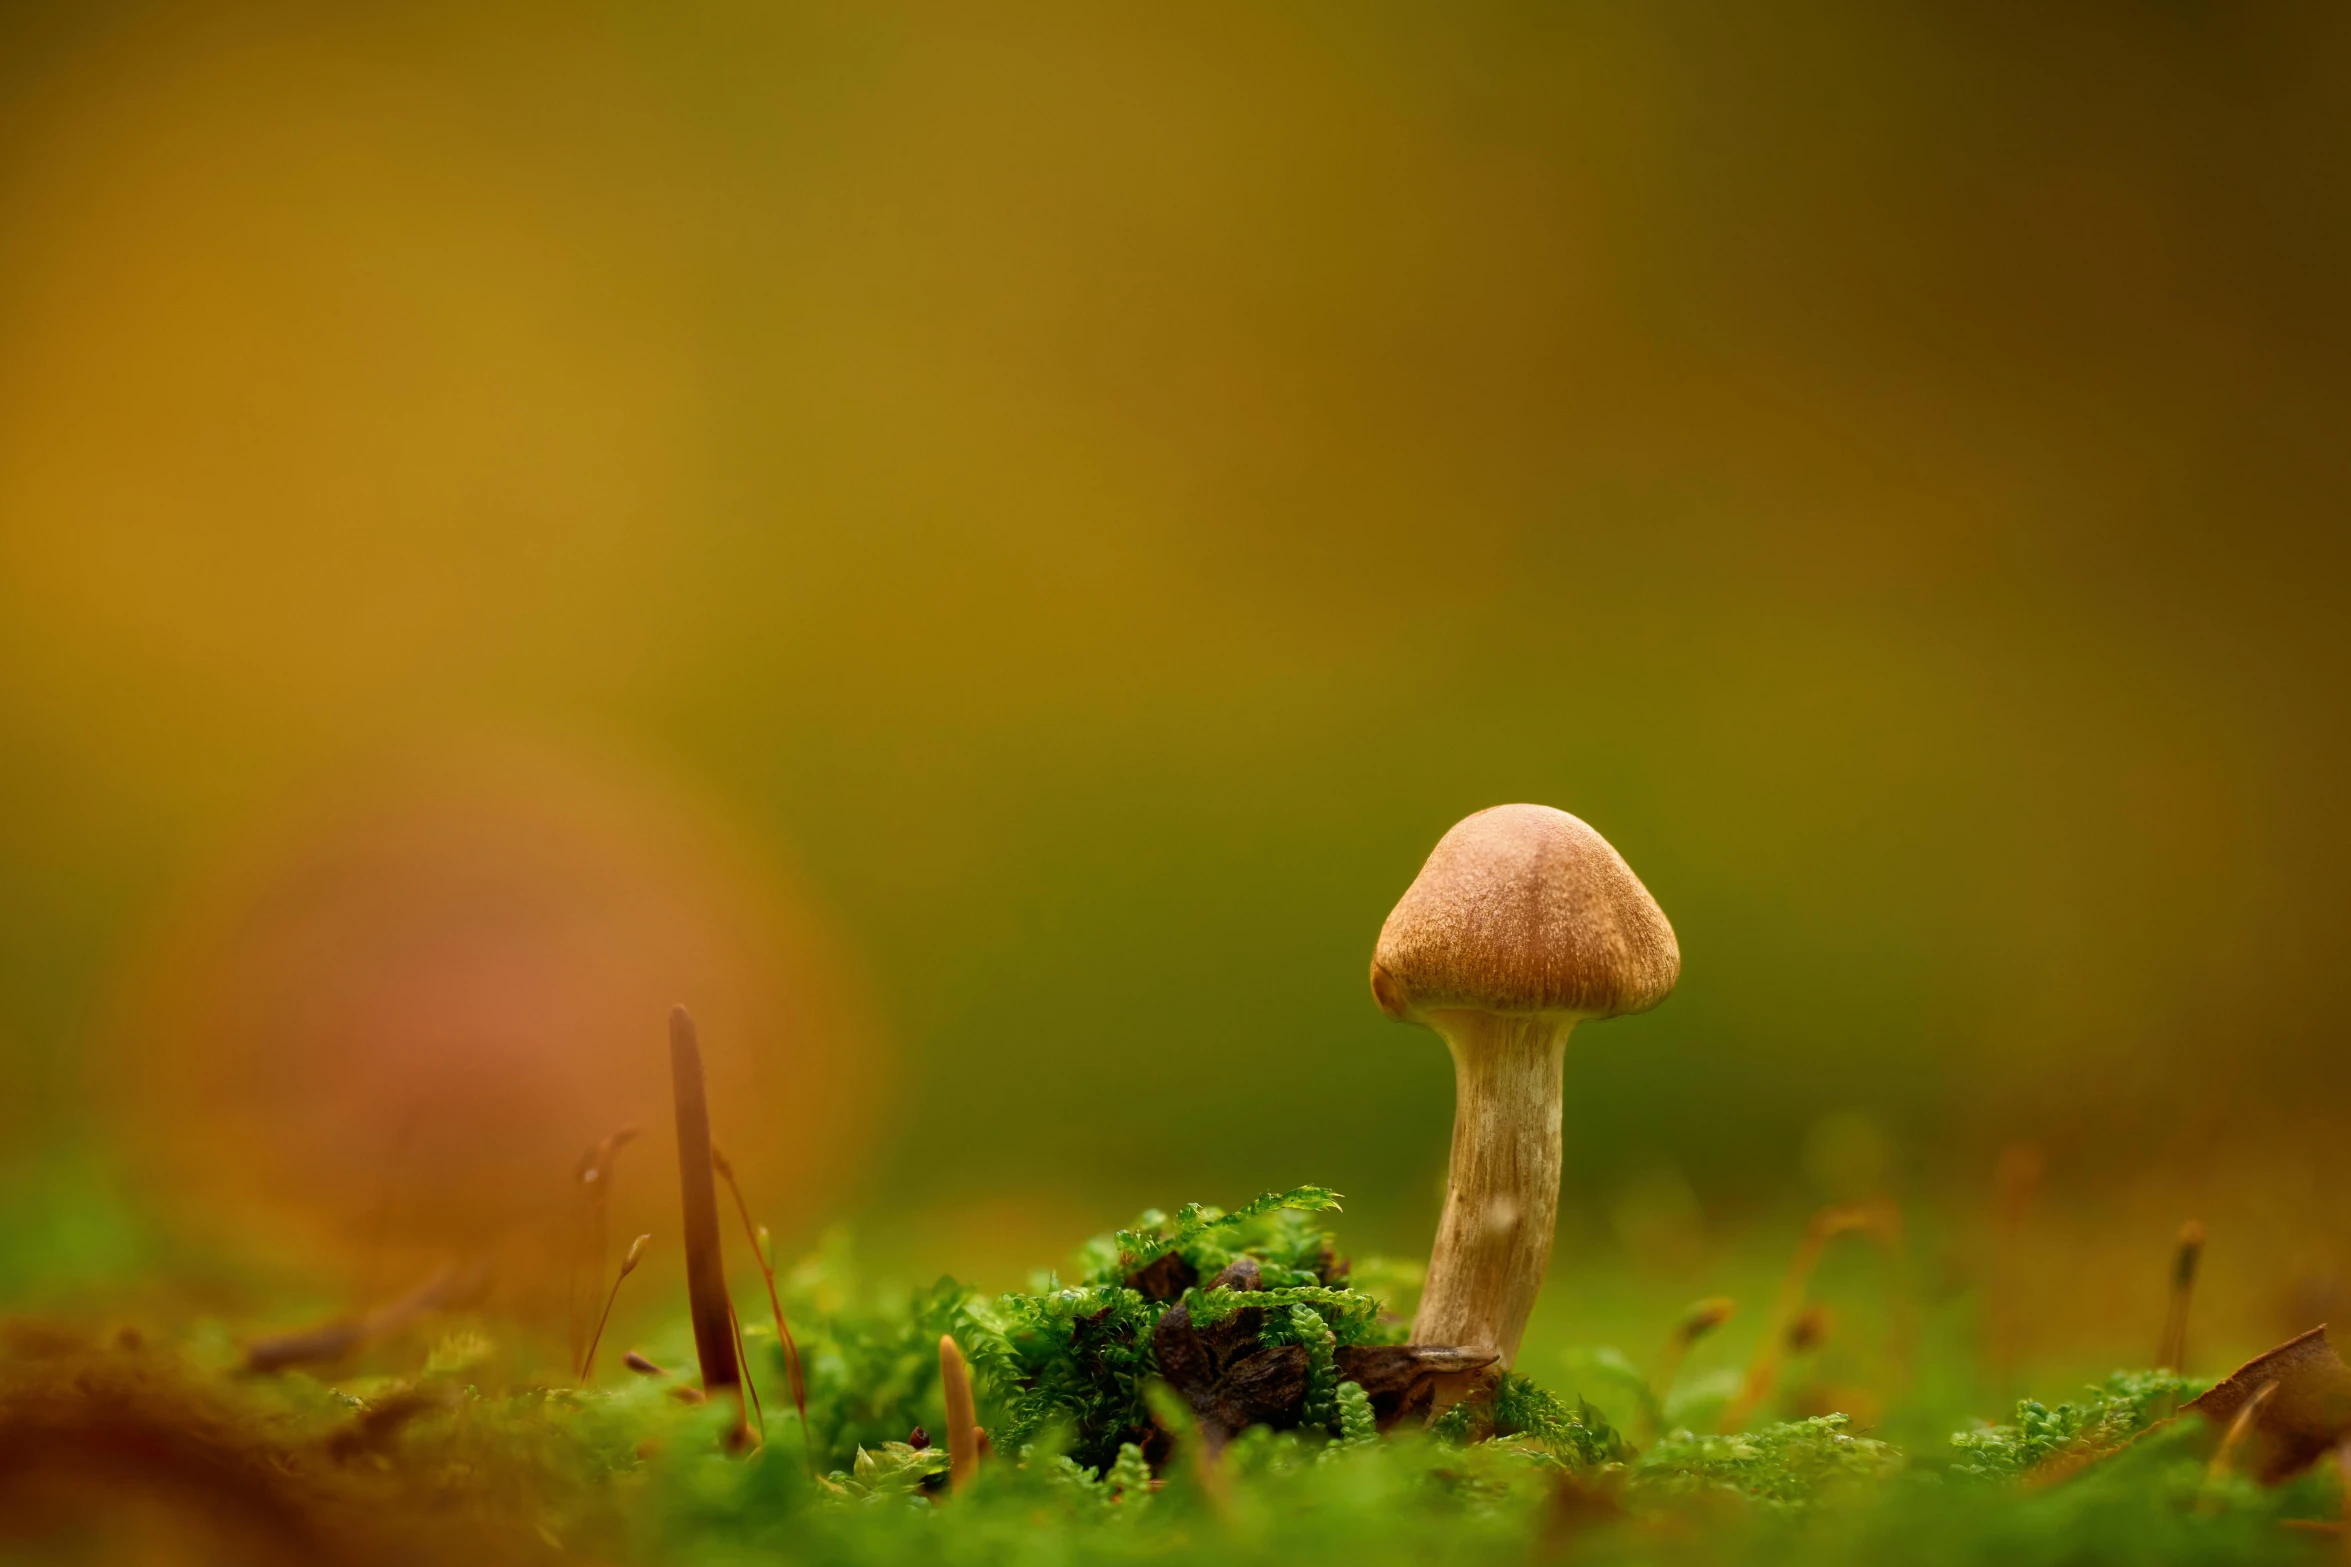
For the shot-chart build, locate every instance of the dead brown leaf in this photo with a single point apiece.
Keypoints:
(2301, 1421)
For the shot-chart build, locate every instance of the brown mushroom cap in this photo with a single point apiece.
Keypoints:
(1522, 909)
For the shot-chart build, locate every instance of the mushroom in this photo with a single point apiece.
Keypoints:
(1523, 923)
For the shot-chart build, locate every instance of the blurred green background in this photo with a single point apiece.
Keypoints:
(1073, 501)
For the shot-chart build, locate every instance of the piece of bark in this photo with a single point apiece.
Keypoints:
(1400, 1378)
(1164, 1278)
(2303, 1420)
(1242, 1273)
(1230, 1379)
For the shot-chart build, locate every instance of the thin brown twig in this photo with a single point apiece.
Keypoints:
(628, 1265)
(767, 1272)
(750, 1382)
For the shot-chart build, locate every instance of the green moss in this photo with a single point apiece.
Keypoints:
(1073, 1361)
(443, 1464)
(2114, 1411)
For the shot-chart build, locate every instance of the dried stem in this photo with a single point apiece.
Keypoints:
(706, 1277)
(750, 1382)
(767, 1272)
(628, 1265)
(2224, 1456)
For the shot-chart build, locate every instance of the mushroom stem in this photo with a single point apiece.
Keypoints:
(1502, 1191)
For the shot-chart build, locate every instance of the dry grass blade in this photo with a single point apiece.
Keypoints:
(759, 1249)
(628, 1265)
(2237, 1428)
(750, 1382)
(706, 1277)
(963, 1450)
(2224, 1456)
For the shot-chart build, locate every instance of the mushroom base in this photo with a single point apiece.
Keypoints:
(1502, 1192)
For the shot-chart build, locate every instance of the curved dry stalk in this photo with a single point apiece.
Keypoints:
(628, 1265)
(1763, 1370)
(750, 1382)
(2224, 1456)
(757, 1233)
(1702, 1318)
